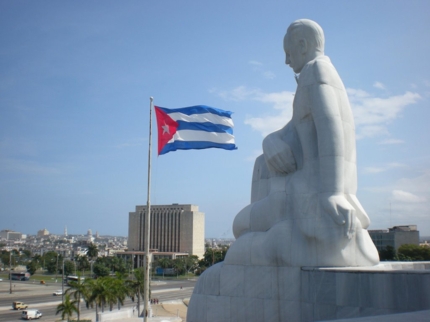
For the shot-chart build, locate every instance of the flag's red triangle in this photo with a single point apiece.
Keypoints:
(166, 127)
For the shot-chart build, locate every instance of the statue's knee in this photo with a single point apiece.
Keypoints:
(241, 223)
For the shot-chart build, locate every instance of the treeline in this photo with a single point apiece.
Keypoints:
(53, 262)
(406, 252)
(106, 292)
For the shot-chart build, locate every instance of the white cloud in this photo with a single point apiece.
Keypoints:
(28, 167)
(255, 63)
(371, 131)
(280, 101)
(379, 85)
(269, 75)
(258, 67)
(389, 166)
(132, 143)
(392, 141)
(404, 196)
(372, 114)
(373, 170)
(240, 93)
(254, 155)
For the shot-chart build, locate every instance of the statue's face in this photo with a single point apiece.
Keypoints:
(294, 53)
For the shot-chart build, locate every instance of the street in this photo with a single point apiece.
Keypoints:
(40, 297)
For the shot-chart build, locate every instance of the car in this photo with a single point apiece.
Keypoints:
(31, 314)
(59, 292)
(17, 305)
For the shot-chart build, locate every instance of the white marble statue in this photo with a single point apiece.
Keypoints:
(304, 210)
(304, 184)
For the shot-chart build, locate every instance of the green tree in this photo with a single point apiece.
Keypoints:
(69, 268)
(67, 308)
(5, 257)
(387, 254)
(82, 262)
(136, 285)
(214, 255)
(191, 263)
(100, 269)
(96, 294)
(78, 289)
(32, 267)
(26, 252)
(52, 261)
(414, 252)
(93, 251)
(179, 265)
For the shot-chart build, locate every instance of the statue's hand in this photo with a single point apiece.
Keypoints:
(340, 210)
(278, 155)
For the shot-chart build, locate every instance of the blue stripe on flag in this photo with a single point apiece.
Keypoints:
(207, 127)
(198, 109)
(189, 145)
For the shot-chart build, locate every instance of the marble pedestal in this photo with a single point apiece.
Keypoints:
(256, 293)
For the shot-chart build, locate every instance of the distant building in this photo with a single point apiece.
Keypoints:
(395, 237)
(43, 232)
(10, 235)
(65, 231)
(174, 229)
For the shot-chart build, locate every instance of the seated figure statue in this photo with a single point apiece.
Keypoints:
(304, 184)
(304, 210)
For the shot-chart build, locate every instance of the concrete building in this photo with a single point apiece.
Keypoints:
(43, 232)
(10, 235)
(395, 237)
(174, 229)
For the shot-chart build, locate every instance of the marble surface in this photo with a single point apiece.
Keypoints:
(311, 293)
(303, 211)
(304, 185)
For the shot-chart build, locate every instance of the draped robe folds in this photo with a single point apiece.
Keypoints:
(302, 185)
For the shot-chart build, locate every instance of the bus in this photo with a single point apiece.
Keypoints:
(20, 276)
(73, 278)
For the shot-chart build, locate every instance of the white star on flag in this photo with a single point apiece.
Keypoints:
(165, 128)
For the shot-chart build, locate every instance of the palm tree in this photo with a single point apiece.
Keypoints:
(121, 288)
(164, 262)
(96, 294)
(93, 251)
(136, 285)
(67, 308)
(78, 290)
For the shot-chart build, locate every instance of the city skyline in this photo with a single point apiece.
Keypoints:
(75, 82)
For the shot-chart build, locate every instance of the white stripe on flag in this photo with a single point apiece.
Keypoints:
(187, 135)
(200, 118)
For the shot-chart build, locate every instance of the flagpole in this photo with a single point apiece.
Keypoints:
(148, 222)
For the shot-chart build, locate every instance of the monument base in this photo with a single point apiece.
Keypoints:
(260, 293)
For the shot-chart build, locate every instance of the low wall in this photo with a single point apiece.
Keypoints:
(388, 288)
(274, 294)
(117, 315)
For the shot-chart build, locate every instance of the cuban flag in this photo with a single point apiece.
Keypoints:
(195, 127)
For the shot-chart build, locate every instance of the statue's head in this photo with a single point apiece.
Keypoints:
(303, 42)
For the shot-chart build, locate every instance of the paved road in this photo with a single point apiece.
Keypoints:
(40, 297)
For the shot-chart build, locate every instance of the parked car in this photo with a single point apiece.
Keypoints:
(59, 292)
(19, 305)
(31, 314)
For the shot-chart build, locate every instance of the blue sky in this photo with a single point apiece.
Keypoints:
(75, 82)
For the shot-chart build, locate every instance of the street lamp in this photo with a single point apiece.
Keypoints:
(56, 270)
(62, 284)
(10, 272)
